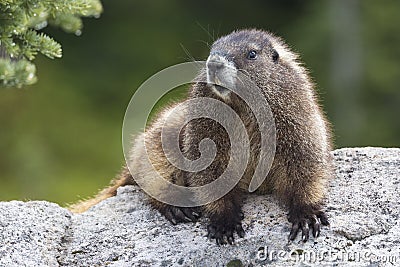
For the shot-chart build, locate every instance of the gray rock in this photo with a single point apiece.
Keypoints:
(31, 233)
(363, 206)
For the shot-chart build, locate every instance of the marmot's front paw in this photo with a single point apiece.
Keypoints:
(180, 214)
(224, 232)
(306, 222)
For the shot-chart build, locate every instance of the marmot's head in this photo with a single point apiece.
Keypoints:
(257, 53)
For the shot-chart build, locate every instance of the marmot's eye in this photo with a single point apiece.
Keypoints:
(252, 55)
(275, 55)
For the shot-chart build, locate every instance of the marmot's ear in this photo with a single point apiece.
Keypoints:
(275, 55)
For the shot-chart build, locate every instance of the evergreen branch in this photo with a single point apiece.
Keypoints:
(69, 23)
(16, 73)
(35, 42)
(19, 40)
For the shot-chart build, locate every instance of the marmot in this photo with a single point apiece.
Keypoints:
(302, 164)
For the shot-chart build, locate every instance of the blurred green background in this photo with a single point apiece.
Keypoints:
(61, 138)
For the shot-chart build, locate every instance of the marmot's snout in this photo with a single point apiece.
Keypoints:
(221, 74)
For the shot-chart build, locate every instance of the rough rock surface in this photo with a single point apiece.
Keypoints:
(363, 206)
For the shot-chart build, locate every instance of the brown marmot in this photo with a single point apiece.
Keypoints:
(302, 164)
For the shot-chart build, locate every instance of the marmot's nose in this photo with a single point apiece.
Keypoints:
(214, 65)
(216, 61)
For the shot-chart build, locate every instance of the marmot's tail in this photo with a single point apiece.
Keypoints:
(124, 178)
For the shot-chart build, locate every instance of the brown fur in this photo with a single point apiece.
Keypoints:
(152, 141)
(302, 163)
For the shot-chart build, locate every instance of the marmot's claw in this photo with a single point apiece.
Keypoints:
(239, 230)
(315, 225)
(191, 214)
(224, 234)
(304, 223)
(241, 214)
(323, 218)
(180, 214)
